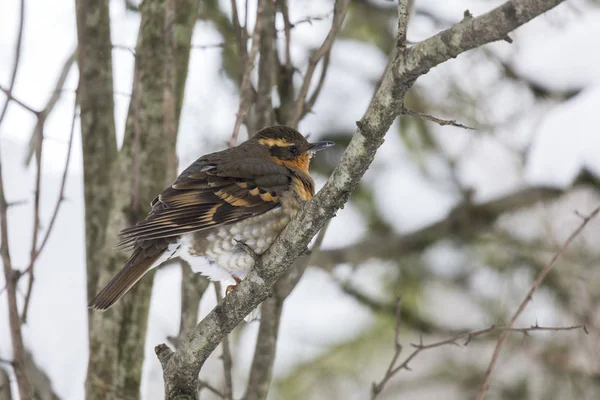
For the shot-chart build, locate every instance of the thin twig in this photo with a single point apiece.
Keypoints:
(36, 220)
(536, 284)
(313, 98)
(203, 384)
(245, 88)
(240, 32)
(16, 61)
(10, 96)
(10, 275)
(227, 362)
(442, 122)
(287, 27)
(55, 95)
(339, 14)
(59, 200)
(466, 336)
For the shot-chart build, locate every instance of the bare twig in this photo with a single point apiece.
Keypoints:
(240, 32)
(313, 97)
(393, 369)
(16, 60)
(36, 135)
(261, 371)
(442, 122)
(10, 96)
(10, 275)
(246, 87)
(287, 27)
(226, 356)
(536, 284)
(193, 287)
(203, 384)
(36, 253)
(339, 14)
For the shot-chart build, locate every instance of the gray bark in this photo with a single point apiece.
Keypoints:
(144, 166)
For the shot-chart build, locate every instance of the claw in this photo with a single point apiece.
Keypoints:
(229, 288)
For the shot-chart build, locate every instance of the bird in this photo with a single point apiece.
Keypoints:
(221, 212)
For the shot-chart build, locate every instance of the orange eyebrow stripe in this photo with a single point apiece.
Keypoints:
(274, 142)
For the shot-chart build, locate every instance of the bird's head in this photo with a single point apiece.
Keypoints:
(288, 147)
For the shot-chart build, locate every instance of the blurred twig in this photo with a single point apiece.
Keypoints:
(203, 384)
(393, 369)
(226, 356)
(339, 14)
(261, 371)
(439, 121)
(246, 92)
(38, 130)
(35, 252)
(240, 32)
(536, 284)
(10, 275)
(16, 60)
(465, 221)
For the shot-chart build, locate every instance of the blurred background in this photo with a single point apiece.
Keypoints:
(457, 222)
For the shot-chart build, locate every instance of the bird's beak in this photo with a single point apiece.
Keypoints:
(318, 146)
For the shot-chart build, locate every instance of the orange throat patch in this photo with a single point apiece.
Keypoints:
(300, 188)
(300, 163)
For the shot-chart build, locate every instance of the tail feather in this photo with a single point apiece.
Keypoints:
(138, 264)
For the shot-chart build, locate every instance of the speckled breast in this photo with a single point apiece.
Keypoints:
(220, 245)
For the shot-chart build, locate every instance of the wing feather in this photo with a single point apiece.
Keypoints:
(206, 195)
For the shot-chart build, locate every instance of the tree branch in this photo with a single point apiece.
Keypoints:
(180, 369)
(536, 284)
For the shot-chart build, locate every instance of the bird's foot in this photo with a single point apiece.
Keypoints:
(229, 288)
(247, 249)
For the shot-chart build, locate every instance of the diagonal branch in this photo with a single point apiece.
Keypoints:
(180, 369)
(536, 284)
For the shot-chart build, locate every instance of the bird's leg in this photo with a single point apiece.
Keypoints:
(229, 288)
(247, 249)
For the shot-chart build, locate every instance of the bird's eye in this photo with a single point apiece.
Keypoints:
(293, 149)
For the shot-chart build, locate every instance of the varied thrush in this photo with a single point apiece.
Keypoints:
(226, 207)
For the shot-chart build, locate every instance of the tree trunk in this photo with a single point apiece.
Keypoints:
(146, 163)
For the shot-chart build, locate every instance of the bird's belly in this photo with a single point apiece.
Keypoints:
(220, 245)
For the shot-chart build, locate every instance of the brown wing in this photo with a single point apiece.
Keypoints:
(207, 195)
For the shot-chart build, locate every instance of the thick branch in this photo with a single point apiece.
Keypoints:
(181, 369)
